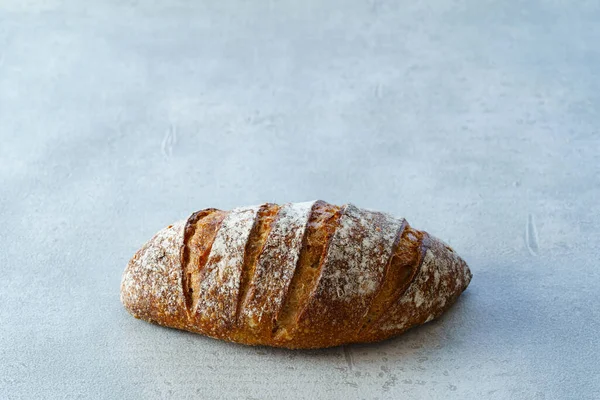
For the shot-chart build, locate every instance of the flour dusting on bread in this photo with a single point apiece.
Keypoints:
(300, 275)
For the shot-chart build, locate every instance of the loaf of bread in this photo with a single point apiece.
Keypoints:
(298, 275)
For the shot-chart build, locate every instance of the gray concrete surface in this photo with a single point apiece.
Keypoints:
(476, 120)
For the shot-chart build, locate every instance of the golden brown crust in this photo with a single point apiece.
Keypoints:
(400, 272)
(266, 216)
(151, 284)
(219, 284)
(302, 275)
(352, 272)
(441, 278)
(198, 237)
(275, 269)
(322, 223)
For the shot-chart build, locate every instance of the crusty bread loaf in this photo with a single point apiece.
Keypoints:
(299, 275)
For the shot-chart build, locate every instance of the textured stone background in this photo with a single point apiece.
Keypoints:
(476, 120)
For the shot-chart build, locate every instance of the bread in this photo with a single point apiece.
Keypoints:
(299, 275)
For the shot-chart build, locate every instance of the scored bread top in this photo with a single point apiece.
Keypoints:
(297, 275)
(275, 268)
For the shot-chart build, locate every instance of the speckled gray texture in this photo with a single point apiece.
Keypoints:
(477, 121)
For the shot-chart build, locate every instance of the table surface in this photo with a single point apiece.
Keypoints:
(477, 121)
